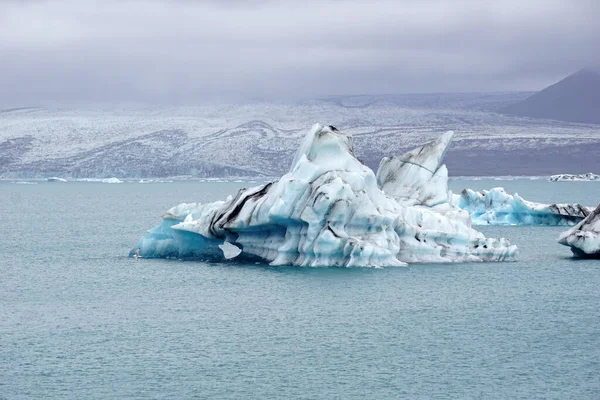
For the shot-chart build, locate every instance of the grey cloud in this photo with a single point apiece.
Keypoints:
(188, 52)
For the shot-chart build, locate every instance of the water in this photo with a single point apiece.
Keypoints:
(80, 320)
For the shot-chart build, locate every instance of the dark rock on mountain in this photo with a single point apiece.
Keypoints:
(574, 99)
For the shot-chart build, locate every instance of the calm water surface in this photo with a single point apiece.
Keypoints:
(80, 320)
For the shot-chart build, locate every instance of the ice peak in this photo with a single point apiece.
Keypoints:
(418, 175)
(324, 141)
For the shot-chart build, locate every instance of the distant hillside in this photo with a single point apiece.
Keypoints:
(251, 140)
(574, 99)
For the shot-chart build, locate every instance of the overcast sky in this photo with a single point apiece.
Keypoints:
(186, 52)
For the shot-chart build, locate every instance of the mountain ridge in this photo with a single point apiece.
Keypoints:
(575, 98)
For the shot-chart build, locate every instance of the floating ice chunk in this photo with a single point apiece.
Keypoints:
(577, 178)
(230, 250)
(56, 179)
(584, 238)
(496, 207)
(155, 181)
(328, 211)
(104, 180)
(112, 180)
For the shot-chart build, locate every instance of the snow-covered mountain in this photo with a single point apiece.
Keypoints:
(260, 139)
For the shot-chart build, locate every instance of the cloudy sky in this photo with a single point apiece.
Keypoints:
(186, 52)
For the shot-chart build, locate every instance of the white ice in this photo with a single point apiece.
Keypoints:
(328, 210)
(100, 180)
(417, 177)
(584, 238)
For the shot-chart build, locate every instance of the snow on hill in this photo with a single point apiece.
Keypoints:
(259, 139)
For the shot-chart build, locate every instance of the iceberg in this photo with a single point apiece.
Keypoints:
(584, 238)
(331, 210)
(420, 178)
(56, 179)
(496, 207)
(100, 180)
(589, 177)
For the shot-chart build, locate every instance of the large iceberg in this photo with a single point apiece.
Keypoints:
(496, 207)
(329, 210)
(584, 238)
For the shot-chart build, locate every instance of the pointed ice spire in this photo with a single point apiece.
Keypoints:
(419, 175)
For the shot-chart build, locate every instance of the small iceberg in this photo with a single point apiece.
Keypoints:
(100, 180)
(496, 207)
(155, 181)
(589, 177)
(55, 179)
(584, 238)
(332, 210)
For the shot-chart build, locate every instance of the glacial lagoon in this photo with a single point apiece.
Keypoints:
(80, 319)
